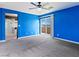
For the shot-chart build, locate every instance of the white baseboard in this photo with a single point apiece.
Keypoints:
(21, 37)
(2, 40)
(66, 40)
(28, 36)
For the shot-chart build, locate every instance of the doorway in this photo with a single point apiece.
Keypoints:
(11, 26)
(46, 24)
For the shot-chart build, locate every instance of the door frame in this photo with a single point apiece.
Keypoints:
(51, 26)
(16, 15)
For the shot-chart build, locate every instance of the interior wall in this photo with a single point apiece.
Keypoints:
(0, 24)
(66, 24)
(28, 24)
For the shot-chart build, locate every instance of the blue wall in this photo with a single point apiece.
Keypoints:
(29, 23)
(0, 25)
(66, 23)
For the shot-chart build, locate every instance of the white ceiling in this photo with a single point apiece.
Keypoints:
(24, 6)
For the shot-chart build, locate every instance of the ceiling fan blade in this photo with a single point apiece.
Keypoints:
(32, 8)
(44, 8)
(47, 8)
(45, 4)
(50, 7)
(33, 4)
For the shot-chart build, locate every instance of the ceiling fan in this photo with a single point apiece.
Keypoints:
(39, 5)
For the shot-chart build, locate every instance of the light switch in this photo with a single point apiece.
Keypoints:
(19, 25)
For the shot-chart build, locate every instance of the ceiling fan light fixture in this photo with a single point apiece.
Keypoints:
(39, 9)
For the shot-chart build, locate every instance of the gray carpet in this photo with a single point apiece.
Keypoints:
(38, 46)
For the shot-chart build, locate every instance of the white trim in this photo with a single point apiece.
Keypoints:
(21, 37)
(2, 40)
(10, 14)
(52, 25)
(28, 36)
(66, 40)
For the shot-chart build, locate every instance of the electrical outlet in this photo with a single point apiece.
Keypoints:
(57, 34)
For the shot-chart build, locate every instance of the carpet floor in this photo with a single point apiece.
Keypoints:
(38, 46)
